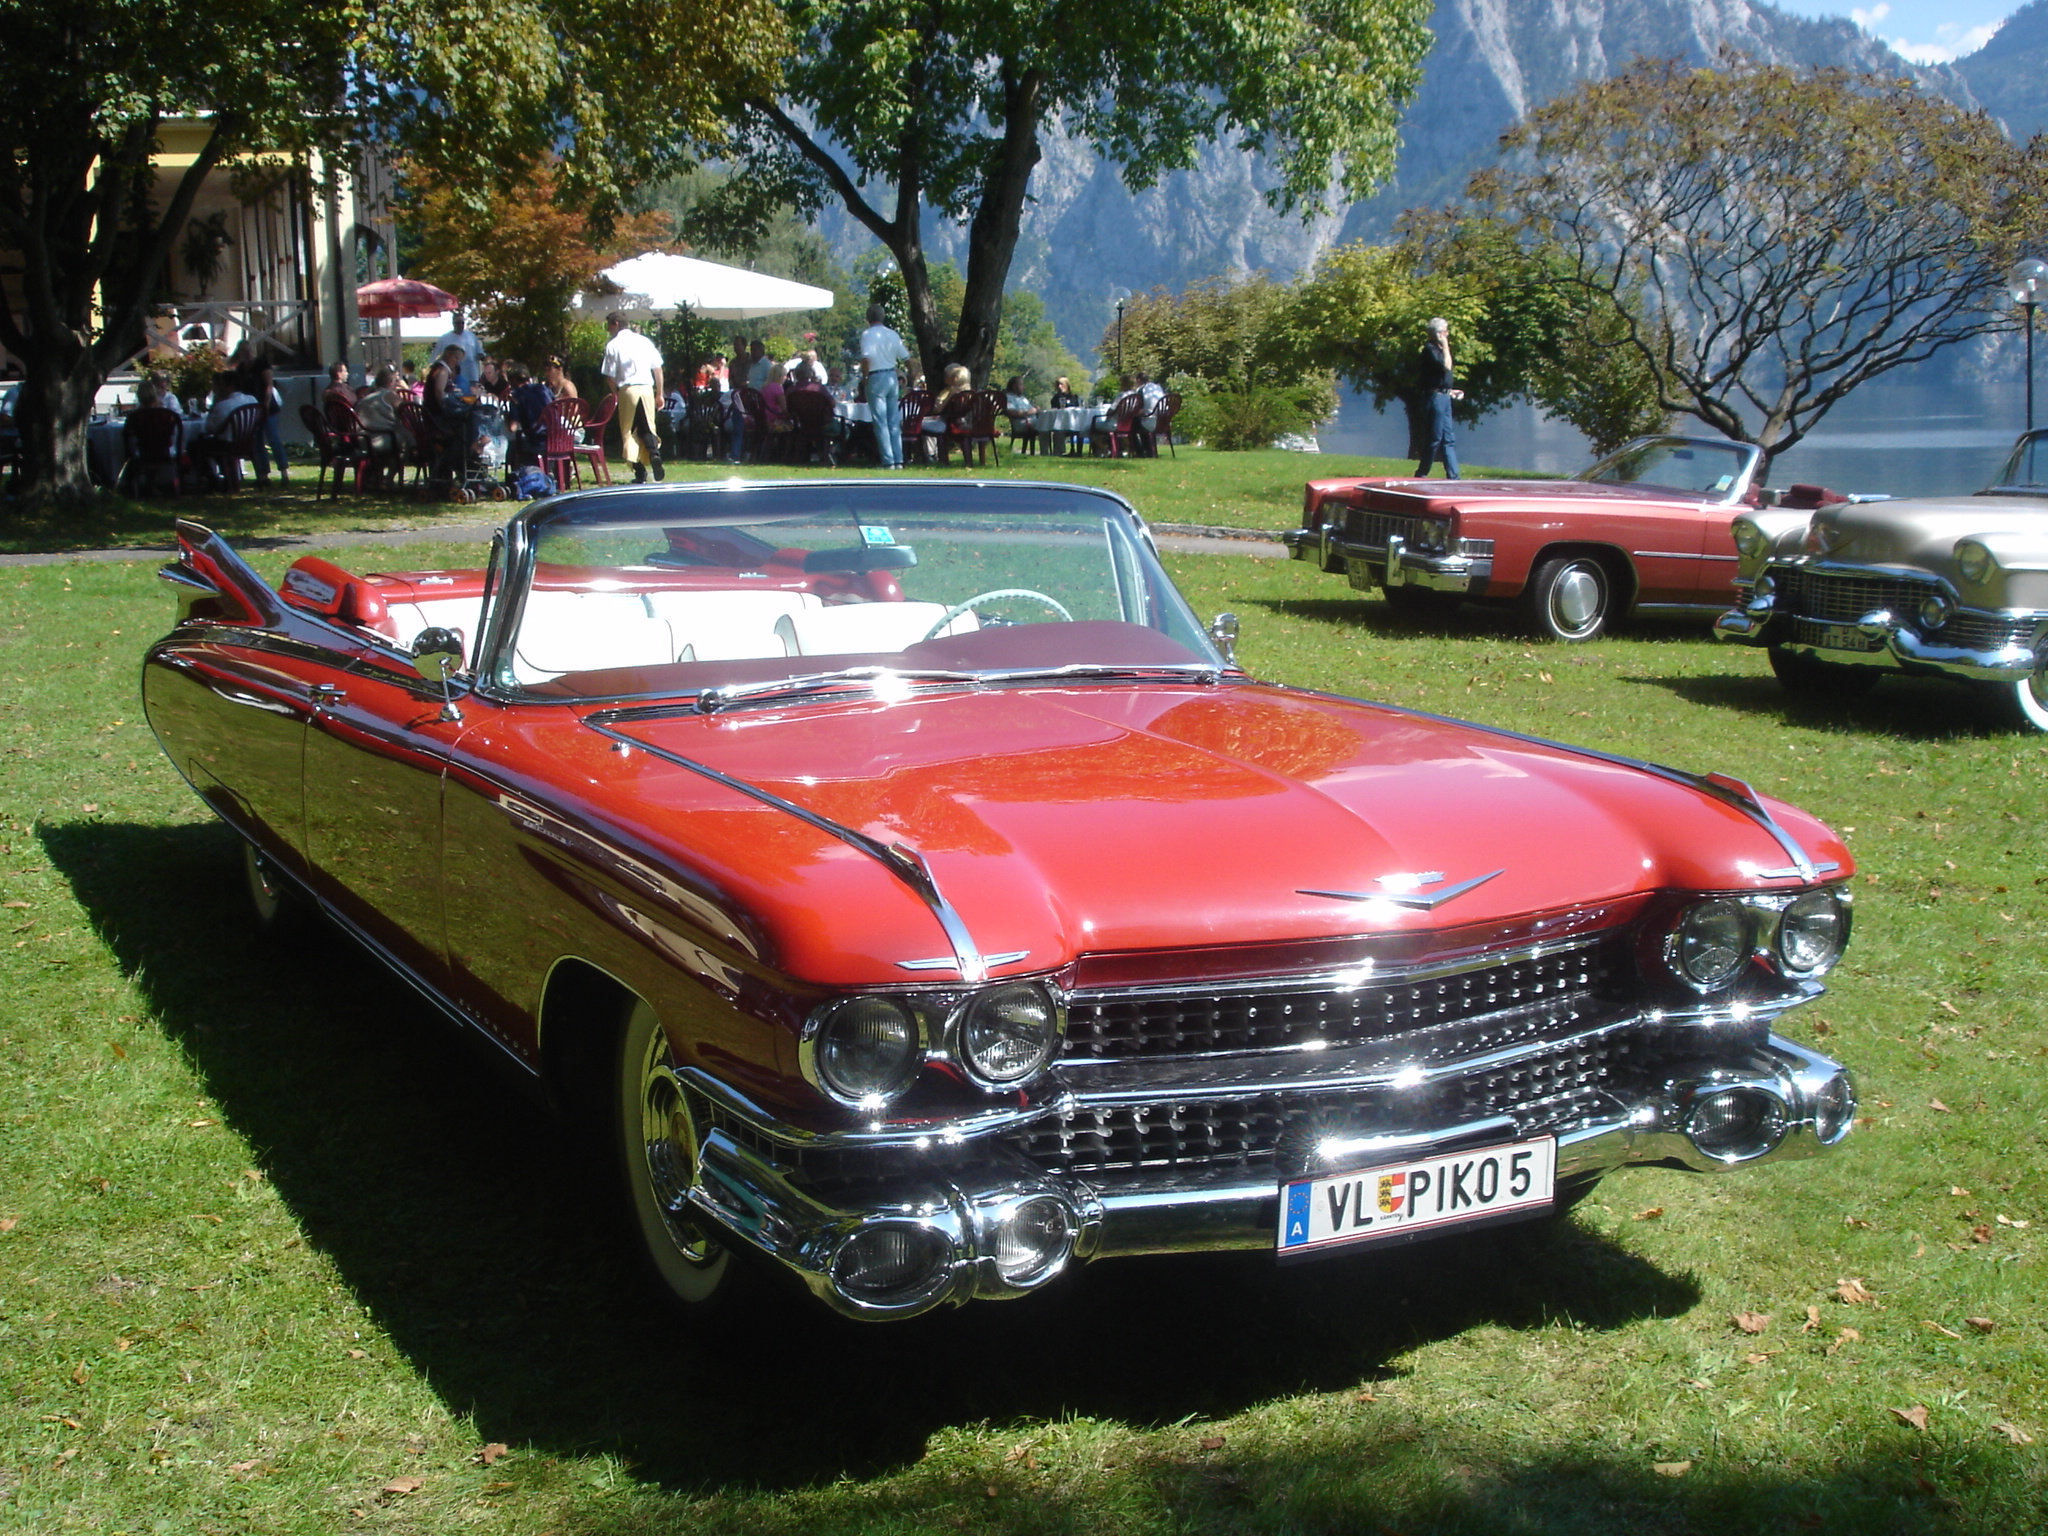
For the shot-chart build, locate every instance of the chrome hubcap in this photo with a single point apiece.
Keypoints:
(1576, 598)
(669, 1144)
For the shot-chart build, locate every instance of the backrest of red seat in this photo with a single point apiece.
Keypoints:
(320, 586)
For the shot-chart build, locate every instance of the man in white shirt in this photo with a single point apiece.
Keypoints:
(212, 447)
(882, 354)
(472, 352)
(633, 364)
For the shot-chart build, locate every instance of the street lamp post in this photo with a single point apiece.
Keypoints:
(1120, 341)
(2028, 279)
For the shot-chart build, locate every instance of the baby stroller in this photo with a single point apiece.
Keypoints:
(471, 464)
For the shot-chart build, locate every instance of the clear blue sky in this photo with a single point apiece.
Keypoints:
(1926, 31)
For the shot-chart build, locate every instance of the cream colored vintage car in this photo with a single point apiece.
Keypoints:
(1952, 587)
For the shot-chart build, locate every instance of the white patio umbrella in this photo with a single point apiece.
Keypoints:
(657, 281)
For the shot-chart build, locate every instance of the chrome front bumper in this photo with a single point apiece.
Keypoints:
(1894, 643)
(1395, 565)
(962, 1218)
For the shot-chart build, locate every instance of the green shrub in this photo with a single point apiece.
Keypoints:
(1234, 417)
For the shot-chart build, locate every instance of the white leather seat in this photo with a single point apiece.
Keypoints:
(587, 631)
(457, 613)
(728, 626)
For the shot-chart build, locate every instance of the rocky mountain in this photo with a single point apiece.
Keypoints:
(1086, 235)
(2006, 74)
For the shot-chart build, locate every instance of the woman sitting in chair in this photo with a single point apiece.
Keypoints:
(937, 428)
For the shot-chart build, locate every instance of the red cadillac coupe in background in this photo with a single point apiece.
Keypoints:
(907, 890)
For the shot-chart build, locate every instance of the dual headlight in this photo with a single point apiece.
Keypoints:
(1751, 542)
(867, 1050)
(1975, 561)
(1800, 936)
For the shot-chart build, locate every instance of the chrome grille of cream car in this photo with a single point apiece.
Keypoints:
(1546, 1091)
(1987, 631)
(1838, 599)
(1555, 992)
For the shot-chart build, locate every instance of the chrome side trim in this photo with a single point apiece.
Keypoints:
(904, 862)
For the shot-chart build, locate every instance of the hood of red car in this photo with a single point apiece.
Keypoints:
(1072, 821)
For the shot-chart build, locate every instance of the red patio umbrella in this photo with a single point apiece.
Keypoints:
(397, 297)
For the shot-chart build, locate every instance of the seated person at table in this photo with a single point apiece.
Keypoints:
(138, 427)
(771, 397)
(491, 378)
(165, 397)
(1018, 407)
(934, 429)
(1063, 396)
(377, 415)
(530, 401)
(555, 374)
(337, 392)
(835, 383)
(447, 408)
(211, 447)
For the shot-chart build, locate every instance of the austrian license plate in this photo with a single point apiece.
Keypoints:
(1840, 637)
(1418, 1195)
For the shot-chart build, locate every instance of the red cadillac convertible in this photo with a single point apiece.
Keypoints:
(1646, 530)
(907, 890)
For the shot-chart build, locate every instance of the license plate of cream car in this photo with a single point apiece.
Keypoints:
(1420, 1194)
(1842, 637)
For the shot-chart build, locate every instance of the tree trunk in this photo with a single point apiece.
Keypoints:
(998, 218)
(56, 407)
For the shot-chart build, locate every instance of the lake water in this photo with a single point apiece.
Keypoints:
(1904, 438)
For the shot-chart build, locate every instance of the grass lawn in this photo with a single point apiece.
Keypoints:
(1228, 490)
(278, 1254)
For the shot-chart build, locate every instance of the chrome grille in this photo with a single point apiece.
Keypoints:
(1549, 1091)
(1836, 599)
(1372, 528)
(1985, 631)
(1559, 991)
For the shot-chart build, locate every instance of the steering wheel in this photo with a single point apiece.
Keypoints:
(957, 609)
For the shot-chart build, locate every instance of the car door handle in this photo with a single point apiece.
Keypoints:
(327, 693)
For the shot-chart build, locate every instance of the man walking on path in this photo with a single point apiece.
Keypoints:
(1440, 386)
(882, 353)
(633, 364)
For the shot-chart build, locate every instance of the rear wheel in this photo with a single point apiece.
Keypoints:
(1422, 602)
(281, 911)
(1807, 676)
(656, 1140)
(1570, 598)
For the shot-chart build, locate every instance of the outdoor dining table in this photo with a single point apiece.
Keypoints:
(107, 446)
(1063, 429)
(852, 410)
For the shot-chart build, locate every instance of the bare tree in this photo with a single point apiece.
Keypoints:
(1765, 239)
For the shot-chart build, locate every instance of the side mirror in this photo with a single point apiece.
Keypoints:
(437, 655)
(1223, 630)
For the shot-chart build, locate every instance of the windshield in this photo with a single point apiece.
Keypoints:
(2027, 469)
(652, 594)
(1687, 464)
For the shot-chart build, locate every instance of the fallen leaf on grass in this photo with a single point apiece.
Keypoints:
(1914, 1417)
(1947, 1333)
(404, 1485)
(1671, 1468)
(1943, 1003)
(1854, 1292)
(1958, 1191)
(2014, 1435)
(1981, 1324)
(80, 1375)
(1649, 1213)
(1751, 1322)
(9, 1223)
(120, 1051)
(2017, 1226)
(1939, 1107)
(1212, 1442)
(1812, 1323)
(1366, 1397)
(499, 1487)
(1981, 1233)
(990, 1490)
(1844, 1336)
(244, 1466)
(496, 1451)
(1857, 1221)
(16, 906)
(358, 1354)
(1756, 1359)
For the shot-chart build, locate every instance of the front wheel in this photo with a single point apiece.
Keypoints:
(2024, 705)
(1570, 598)
(1806, 676)
(655, 1137)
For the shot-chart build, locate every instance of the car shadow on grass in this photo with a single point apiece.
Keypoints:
(1910, 708)
(458, 1212)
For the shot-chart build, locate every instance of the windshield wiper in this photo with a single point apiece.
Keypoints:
(880, 679)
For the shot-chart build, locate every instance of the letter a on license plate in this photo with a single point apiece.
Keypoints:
(1399, 1199)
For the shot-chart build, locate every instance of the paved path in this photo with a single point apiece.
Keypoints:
(1180, 538)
